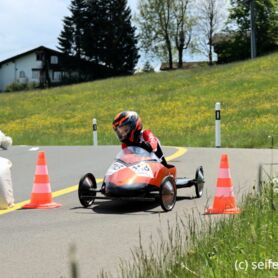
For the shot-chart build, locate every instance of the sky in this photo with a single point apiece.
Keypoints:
(27, 24)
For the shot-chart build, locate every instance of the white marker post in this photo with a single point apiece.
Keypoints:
(94, 132)
(217, 125)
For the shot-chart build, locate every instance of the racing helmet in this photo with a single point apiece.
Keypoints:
(127, 125)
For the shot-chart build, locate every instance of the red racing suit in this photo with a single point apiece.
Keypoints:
(153, 142)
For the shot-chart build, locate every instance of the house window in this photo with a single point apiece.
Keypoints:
(54, 60)
(39, 56)
(56, 75)
(21, 74)
(36, 74)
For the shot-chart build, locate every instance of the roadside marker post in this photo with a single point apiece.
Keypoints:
(217, 125)
(95, 132)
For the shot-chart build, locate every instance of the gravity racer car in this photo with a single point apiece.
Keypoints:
(137, 173)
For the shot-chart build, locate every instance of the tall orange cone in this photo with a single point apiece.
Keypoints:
(41, 197)
(224, 199)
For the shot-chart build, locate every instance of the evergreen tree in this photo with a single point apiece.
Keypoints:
(70, 39)
(109, 37)
(101, 31)
(66, 37)
(95, 30)
(120, 40)
(78, 9)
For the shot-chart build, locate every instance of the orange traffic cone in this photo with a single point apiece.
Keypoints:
(224, 199)
(41, 197)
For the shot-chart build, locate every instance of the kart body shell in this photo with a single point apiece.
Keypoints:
(137, 173)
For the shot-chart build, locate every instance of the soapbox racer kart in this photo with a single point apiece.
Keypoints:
(137, 173)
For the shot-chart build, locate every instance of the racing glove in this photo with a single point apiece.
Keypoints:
(146, 146)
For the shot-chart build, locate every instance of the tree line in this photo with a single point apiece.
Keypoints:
(233, 42)
(168, 27)
(103, 33)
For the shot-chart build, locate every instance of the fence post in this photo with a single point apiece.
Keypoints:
(260, 178)
(271, 162)
(94, 132)
(217, 125)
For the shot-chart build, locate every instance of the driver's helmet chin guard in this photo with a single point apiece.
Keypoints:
(127, 126)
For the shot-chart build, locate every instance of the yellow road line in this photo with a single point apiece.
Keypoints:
(15, 207)
(180, 151)
(69, 190)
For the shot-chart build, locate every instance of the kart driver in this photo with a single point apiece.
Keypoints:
(128, 127)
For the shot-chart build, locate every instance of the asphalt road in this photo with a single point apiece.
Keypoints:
(36, 243)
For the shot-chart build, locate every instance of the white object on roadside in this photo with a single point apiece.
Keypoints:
(217, 125)
(6, 188)
(95, 132)
(5, 141)
(33, 149)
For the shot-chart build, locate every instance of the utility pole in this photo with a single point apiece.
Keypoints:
(253, 29)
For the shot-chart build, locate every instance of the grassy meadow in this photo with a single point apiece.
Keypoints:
(243, 245)
(178, 106)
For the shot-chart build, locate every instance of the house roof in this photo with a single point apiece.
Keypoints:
(29, 52)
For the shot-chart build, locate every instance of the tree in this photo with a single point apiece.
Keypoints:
(183, 26)
(66, 37)
(70, 39)
(211, 13)
(155, 20)
(235, 43)
(95, 32)
(120, 39)
(148, 67)
(165, 28)
(266, 24)
(101, 32)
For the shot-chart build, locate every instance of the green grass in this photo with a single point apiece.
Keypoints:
(178, 106)
(243, 245)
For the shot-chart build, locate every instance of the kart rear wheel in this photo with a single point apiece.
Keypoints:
(86, 192)
(168, 194)
(199, 186)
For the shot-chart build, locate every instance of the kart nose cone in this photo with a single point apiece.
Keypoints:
(134, 190)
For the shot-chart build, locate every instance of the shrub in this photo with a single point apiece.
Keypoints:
(148, 67)
(16, 86)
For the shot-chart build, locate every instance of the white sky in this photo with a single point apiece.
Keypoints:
(27, 24)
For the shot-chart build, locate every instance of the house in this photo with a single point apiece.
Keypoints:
(40, 65)
(46, 67)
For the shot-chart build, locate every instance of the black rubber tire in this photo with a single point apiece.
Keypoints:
(168, 187)
(85, 193)
(199, 186)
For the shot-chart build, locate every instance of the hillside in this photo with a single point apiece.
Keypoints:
(178, 106)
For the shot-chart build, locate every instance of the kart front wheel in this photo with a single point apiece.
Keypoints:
(86, 190)
(199, 178)
(168, 194)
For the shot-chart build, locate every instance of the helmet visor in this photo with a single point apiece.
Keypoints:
(123, 132)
